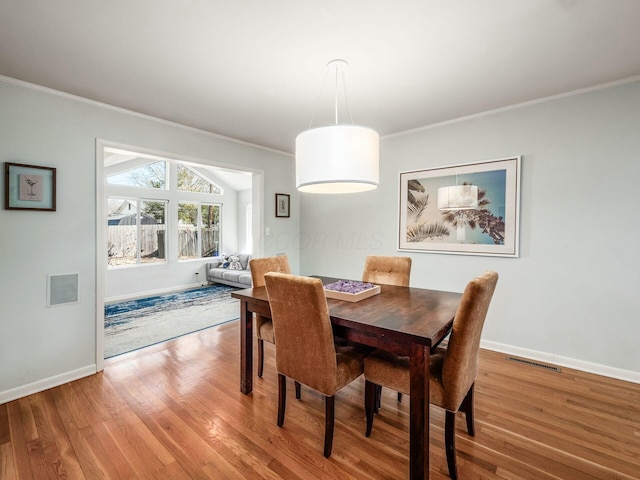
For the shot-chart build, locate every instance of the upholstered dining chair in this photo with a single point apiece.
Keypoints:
(388, 270)
(305, 347)
(453, 369)
(264, 327)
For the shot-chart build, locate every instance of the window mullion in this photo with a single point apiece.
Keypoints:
(138, 232)
(199, 229)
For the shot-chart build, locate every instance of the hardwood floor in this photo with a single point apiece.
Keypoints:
(175, 411)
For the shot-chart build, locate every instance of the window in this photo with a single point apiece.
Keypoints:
(136, 231)
(163, 210)
(198, 230)
(149, 175)
(210, 230)
(191, 181)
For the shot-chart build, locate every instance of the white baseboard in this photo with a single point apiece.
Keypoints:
(46, 383)
(604, 370)
(152, 293)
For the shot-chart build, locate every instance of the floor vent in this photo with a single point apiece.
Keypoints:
(531, 363)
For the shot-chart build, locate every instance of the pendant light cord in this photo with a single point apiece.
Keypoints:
(335, 96)
(339, 72)
(346, 97)
(315, 107)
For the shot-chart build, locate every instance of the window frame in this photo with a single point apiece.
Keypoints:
(138, 230)
(169, 194)
(140, 162)
(198, 228)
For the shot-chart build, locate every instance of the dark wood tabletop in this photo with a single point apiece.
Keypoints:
(405, 320)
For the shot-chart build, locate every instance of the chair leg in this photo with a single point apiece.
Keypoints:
(297, 385)
(260, 357)
(282, 397)
(328, 424)
(370, 399)
(379, 398)
(450, 443)
(467, 407)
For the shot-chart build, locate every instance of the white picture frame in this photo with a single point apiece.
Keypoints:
(467, 209)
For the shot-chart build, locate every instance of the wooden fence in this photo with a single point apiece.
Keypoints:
(122, 243)
(188, 242)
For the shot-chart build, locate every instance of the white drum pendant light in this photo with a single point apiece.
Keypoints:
(340, 158)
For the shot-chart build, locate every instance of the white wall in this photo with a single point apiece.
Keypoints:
(39, 346)
(571, 296)
(244, 198)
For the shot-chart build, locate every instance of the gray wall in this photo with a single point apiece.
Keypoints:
(39, 346)
(571, 296)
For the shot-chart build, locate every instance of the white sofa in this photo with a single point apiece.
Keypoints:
(221, 270)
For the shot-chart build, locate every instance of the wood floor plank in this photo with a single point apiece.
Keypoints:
(5, 433)
(63, 444)
(175, 411)
(126, 433)
(94, 461)
(103, 444)
(7, 465)
(18, 440)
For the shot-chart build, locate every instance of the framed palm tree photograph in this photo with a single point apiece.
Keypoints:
(467, 209)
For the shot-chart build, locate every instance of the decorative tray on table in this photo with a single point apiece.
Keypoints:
(350, 290)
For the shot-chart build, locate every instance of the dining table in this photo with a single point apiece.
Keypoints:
(404, 320)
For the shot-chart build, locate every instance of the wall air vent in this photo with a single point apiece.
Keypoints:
(62, 289)
(531, 363)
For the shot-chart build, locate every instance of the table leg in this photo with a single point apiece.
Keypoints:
(419, 413)
(246, 349)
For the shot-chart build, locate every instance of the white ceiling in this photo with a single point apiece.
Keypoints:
(253, 69)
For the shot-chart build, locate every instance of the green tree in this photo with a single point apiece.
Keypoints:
(151, 175)
(210, 215)
(188, 213)
(155, 209)
(190, 181)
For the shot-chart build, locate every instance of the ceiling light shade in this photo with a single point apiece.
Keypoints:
(337, 159)
(340, 158)
(458, 197)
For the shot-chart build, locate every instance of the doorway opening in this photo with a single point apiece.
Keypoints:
(161, 218)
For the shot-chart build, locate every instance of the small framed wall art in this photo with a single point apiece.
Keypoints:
(282, 205)
(29, 187)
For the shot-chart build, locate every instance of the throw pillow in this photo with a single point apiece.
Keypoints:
(234, 263)
(215, 263)
(244, 260)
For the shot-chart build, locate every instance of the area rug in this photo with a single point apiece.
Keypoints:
(139, 323)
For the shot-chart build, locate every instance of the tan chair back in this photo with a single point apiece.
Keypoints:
(304, 337)
(387, 270)
(260, 266)
(460, 367)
